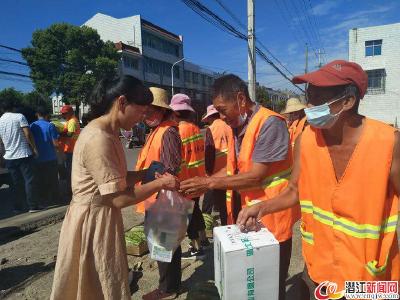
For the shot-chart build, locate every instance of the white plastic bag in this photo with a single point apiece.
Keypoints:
(166, 223)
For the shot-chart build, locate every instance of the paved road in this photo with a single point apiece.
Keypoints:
(6, 198)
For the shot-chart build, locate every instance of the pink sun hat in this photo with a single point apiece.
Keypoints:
(181, 102)
(210, 111)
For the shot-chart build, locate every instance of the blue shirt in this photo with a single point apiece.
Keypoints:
(44, 133)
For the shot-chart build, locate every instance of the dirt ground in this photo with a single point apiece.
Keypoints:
(27, 266)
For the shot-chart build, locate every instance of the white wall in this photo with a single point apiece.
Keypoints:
(386, 106)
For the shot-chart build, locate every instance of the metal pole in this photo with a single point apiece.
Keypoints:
(172, 74)
(251, 49)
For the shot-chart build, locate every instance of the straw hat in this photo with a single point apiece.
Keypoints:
(292, 105)
(160, 98)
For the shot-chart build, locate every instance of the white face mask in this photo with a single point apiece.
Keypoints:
(321, 117)
(241, 118)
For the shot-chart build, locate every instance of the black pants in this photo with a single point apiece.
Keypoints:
(22, 179)
(47, 182)
(237, 205)
(284, 256)
(170, 273)
(196, 222)
(68, 170)
(216, 199)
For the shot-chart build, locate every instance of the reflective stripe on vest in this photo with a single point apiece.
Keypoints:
(353, 218)
(150, 152)
(192, 151)
(361, 231)
(192, 139)
(279, 223)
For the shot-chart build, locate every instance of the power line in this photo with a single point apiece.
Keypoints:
(14, 61)
(15, 74)
(10, 48)
(232, 15)
(211, 17)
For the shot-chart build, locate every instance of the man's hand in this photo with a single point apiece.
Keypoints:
(168, 181)
(195, 187)
(249, 218)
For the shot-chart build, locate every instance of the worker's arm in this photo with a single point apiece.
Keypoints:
(249, 216)
(30, 139)
(137, 194)
(220, 173)
(395, 168)
(199, 185)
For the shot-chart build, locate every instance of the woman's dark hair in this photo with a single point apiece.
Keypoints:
(186, 115)
(107, 90)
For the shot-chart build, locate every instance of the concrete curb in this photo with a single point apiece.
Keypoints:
(26, 223)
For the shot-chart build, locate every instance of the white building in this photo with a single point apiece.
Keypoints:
(377, 50)
(148, 53)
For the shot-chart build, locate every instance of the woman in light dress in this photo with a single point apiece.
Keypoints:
(91, 261)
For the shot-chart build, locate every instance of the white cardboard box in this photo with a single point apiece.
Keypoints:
(246, 265)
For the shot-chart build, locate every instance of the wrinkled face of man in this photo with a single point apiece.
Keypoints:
(230, 109)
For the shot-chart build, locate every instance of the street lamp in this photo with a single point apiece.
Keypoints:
(172, 74)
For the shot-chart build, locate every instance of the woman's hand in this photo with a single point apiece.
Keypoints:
(168, 181)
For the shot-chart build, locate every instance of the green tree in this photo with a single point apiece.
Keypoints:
(69, 60)
(10, 96)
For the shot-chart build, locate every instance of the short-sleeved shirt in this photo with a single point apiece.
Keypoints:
(98, 166)
(44, 134)
(11, 133)
(272, 144)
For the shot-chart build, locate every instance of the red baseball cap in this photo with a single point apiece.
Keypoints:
(337, 72)
(66, 109)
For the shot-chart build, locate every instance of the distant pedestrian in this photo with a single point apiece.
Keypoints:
(218, 135)
(19, 148)
(192, 166)
(68, 139)
(295, 118)
(46, 139)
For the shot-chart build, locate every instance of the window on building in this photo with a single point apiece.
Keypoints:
(188, 76)
(130, 62)
(373, 48)
(195, 78)
(155, 42)
(177, 72)
(376, 81)
(159, 67)
(203, 80)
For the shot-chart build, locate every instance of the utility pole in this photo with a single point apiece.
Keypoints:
(319, 58)
(251, 49)
(306, 68)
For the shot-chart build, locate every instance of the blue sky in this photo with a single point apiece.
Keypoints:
(283, 26)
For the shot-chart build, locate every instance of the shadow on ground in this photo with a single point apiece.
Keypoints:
(16, 276)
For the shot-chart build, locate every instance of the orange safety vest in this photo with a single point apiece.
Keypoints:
(280, 223)
(349, 226)
(150, 152)
(296, 129)
(67, 143)
(192, 151)
(221, 134)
